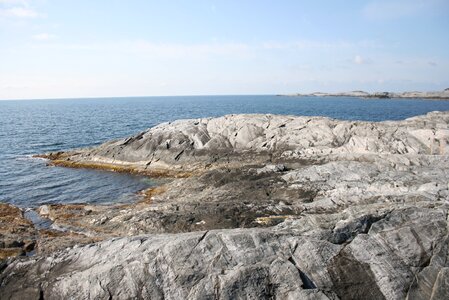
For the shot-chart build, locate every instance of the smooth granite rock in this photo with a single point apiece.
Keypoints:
(233, 140)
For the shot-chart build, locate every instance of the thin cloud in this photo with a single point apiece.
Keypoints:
(186, 50)
(275, 45)
(22, 2)
(19, 12)
(160, 50)
(44, 37)
(321, 44)
(359, 60)
(395, 9)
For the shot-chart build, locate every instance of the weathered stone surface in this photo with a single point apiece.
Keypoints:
(191, 145)
(239, 263)
(344, 210)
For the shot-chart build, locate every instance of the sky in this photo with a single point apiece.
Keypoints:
(118, 48)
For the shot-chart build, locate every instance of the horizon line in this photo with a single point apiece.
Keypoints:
(209, 95)
(147, 96)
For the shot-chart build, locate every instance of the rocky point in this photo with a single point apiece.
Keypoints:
(253, 207)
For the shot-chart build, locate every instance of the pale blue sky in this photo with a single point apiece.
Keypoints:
(88, 48)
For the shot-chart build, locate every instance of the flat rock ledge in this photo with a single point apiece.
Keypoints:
(257, 207)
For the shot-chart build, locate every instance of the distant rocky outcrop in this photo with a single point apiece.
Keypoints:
(443, 95)
(258, 207)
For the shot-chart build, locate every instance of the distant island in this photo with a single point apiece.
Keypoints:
(437, 95)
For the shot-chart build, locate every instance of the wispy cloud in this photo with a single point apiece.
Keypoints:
(185, 50)
(394, 9)
(157, 50)
(321, 44)
(19, 12)
(359, 60)
(22, 2)
(189, 51)
(44, 37)
(417, 62)
(17, 9)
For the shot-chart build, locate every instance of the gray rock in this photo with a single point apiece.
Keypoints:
(191, 145)
(245, 263)
(344, 210)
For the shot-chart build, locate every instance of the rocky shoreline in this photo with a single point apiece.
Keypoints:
(436, 95)
(250, 206)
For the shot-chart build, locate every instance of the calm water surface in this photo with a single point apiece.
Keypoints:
(38, 126)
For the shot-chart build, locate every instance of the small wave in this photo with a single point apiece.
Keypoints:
(46, 144)
(30, 157)
(56, 185)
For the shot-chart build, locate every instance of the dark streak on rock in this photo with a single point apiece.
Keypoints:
(353, 279)
(179, 155)
(307, 283)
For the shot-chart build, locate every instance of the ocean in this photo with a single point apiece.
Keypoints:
(30, 127)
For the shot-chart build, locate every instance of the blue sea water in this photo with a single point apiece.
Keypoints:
(39, 126)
